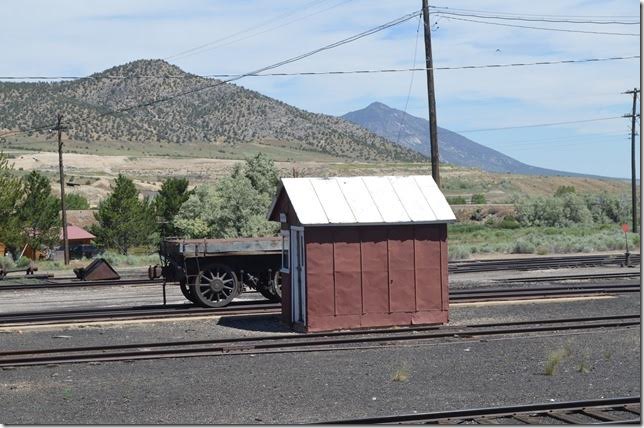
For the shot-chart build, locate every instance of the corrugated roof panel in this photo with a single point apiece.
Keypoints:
(359, 199)
(305, 201)
(435, 197)
(367, 200)
(386, 200)
(335, 205)
(412, 199)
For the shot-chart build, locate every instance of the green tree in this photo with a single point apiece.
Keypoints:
(261, 172)
(235, 207)
(173, 194)
(197, 215)
(124, 221)
(38, 212)
(75, 201)
(10, 192)
(241, 209)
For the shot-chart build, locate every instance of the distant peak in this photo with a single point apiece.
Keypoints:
(378, 105)
(153, 67)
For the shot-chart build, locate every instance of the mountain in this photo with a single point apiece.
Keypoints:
(222, 114)
(413, 132)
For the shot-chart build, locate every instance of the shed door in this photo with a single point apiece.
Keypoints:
(298, 276)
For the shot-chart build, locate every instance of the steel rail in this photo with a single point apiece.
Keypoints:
(537, 263)
(80, 284)
(460, 266)
(553, 278)
(334, 341)
(265, 308)
(570, 412)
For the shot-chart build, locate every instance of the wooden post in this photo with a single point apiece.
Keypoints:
(433, 127)
(60, 128)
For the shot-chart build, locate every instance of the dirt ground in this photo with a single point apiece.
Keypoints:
(92, 175)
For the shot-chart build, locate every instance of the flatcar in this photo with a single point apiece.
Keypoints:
(212, 272)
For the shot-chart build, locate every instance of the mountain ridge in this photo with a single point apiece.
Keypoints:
(224, 114)
(413, 132)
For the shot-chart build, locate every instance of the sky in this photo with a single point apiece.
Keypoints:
(72, 37)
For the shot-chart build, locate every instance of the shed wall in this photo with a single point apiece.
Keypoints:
(370, 276)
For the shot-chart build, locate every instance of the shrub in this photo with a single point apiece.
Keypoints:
(456, 200)
(23, 262)
(563, 190)
(6, 262)
(522, 246)
(508, 222)
(458, 253)
(478, 198)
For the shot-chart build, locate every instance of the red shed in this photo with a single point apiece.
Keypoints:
(362, 251)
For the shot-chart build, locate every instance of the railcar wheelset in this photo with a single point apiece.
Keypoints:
(215, 286)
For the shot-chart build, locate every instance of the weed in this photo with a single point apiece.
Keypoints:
(554, 359)
(401, 374)
(608, 355)
(583, 367)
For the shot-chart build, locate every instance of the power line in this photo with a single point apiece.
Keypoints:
(534, 14)
(342, 42)
(538, 28)
(207, 47)
(262, 24)
(316, 73)
(536, 125)
(520, 18)
(411, 82)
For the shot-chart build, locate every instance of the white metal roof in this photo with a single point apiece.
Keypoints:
(367, 200)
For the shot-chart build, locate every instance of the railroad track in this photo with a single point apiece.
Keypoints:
(454, 267)
(556, 278)
(251, 308)
(623, 410)
(79, 283)
(314, 342)
(539, 263)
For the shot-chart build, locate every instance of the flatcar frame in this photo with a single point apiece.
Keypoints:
(212, 272)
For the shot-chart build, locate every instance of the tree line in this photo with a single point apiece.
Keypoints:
(234, 207)
(29, 212)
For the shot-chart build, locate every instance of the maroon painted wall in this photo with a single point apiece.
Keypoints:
(368, 276)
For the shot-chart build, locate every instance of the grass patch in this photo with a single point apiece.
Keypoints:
(401, 374)
(554, 359)
(473, 238)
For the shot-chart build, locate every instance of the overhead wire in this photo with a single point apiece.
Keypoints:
(411, 82)
(331, 72)
(533, 14)
(217, 44)
(528, 19)
(259, 25)
(607, 33)
(538, 125)
(342, 42)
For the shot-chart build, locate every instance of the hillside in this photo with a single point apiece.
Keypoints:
(413, 132)
(226, 115)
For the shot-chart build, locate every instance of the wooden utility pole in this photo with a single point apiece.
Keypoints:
(60, 129)
(633, 166)
(433, 128)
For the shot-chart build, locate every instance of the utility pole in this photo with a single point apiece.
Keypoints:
(60, 130)
(633, 166)
(433, 128)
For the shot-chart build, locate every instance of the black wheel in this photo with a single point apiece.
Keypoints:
(215, 286)
(185, 290)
